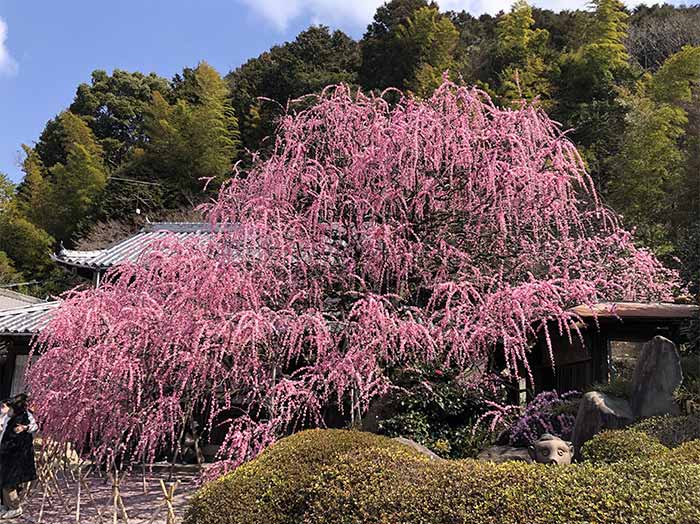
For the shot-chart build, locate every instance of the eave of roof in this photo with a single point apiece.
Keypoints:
(132, 247)
(11, 299)
(638, 310)
(27, 320)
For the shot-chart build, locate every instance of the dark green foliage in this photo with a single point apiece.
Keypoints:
(617, 387)
(114, 107)
(671, 431)
(315, 59)
(190, 141)
(622, 445)
(436, 410)
(385, 61)
(389, 484)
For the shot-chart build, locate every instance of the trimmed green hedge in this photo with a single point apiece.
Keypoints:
(671, 431)
(686, 453)
(273, 489)
(337, 477)
(622, 445)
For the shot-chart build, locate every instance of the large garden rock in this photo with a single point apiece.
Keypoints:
(500, 454)
(656, 376)
(418, 447)
(596, 412)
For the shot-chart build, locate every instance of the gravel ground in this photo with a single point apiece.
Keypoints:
(141, 505)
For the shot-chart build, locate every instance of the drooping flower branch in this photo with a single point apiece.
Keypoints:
(373, 236)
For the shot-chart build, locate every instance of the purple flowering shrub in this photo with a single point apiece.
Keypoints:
(548, 412)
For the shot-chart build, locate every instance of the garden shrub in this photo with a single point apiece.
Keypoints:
(671, 431)
(272, 489)
(388, 488)
(371, 481)
(622, 445)
(686, 453)
(436, 408)
(617, 387)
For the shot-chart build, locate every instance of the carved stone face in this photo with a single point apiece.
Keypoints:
(551, 450)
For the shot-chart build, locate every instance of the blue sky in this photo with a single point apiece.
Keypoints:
(48, 47)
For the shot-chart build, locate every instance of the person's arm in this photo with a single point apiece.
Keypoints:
(33, 426)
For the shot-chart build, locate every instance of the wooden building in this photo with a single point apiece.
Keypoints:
(18, 325)
(612, 335)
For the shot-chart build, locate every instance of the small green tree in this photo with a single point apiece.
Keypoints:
(192, 139)
(431, 40)
(522, 52)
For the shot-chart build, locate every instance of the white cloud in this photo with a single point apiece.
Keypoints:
(8, 65)
(358, 13)
(332, 12)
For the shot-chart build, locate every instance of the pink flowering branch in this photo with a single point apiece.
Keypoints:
(374, 236)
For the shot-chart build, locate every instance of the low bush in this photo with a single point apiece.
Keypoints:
(621, 445)
(671, 431)
(273, 488)
(375, 480)
(686, 453)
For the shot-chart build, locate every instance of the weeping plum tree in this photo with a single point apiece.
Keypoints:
(374, 236)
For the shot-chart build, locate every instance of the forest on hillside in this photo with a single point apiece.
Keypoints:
(133, 145)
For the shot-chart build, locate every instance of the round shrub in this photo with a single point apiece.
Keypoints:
(363, 479)
(622, 444)
(273, 488)
(671, 431)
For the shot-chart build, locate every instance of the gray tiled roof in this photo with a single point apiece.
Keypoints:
(130, 248)
(27, 320)
(11, 299)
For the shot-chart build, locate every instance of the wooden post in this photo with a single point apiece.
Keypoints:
(77, 506)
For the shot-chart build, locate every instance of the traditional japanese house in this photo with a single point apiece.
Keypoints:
(22, 317)
(18, 325)
(612, 335)
(92, 265)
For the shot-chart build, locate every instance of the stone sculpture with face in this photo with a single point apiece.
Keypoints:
(549, 449)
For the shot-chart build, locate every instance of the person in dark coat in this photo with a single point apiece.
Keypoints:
(17, 466)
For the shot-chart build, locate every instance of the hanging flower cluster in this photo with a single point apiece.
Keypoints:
(374, 235)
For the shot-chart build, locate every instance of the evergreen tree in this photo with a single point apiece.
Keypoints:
(8, 273)
(588, 82)
(430, 39)
(34, 192)
(648, 171)
(385, 61)
(315, 59)
(189, 141)
(114, 107)
(522, 51)
(26, 245)
(656, 181)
